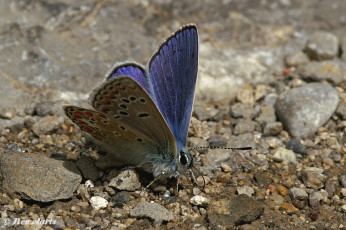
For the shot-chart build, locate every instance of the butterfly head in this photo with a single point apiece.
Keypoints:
(185, 158)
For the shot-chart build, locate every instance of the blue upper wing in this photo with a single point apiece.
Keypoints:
(134, 70)
(172, 76)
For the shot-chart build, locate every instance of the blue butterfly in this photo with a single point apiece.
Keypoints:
(143, 114)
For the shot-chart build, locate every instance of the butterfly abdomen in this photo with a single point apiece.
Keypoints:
(161, 167)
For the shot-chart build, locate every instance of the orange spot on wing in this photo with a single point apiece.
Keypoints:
(106, 102)
(81, 122)
(88, 129)
(103, 116)
(77, 116)
(88, 113)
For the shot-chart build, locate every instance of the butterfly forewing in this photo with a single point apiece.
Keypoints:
(173, 73)
(125, 101)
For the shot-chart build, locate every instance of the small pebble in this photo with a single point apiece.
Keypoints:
(247, 190)
(272, 128)
(271, 188)
(270, 99)
(47, 125)
(322, 46)
(297, 59)
(239, 110)
(278, 199)
(199, 200)
(285, 155)
(225, 167)
(244, 126)
(313, 177)
(267, 114)
(98, 202)
(343, 192)
(204, 113)
(316, 197)
(282, 190)
(217, 141)
(296, 146)
(298, 193)
(246, 95)
(299, 197)
(199, 129)
(152, 210)
(342, 179)
(126, 180)
(18, 205)
(288, 207)
(89, 184)
(121, 197)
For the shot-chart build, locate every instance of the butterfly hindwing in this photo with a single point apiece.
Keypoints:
(112, 134)
(134, 70)
(172, 74)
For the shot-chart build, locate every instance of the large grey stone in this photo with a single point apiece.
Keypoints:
(37, 177)
(152, 210)
(322, 45)
(333, 70)
(304, 109)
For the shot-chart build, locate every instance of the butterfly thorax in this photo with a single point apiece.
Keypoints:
(166, 168)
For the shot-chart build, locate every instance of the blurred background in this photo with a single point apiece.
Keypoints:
(58, 51)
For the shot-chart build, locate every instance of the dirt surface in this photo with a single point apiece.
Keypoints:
(271, 76)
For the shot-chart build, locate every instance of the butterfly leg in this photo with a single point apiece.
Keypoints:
(157, 178)
(194, 180)
(178, 177)
(152, 182)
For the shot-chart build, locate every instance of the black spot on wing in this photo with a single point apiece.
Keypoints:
(123, 113)
(142, 100)
(142, 115)
(123, 106)
(125, 100)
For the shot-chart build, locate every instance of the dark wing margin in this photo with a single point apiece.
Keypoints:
(132, 69)
(173, 75)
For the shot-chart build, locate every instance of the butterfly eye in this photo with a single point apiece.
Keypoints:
(183, 158)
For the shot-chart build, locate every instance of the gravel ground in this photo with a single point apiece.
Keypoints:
(276, 84)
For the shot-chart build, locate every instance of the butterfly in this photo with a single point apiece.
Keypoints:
(142, 114)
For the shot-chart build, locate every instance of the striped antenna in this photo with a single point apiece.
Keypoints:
(210, 147)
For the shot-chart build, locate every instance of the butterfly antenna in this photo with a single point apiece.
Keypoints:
(215, 147)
